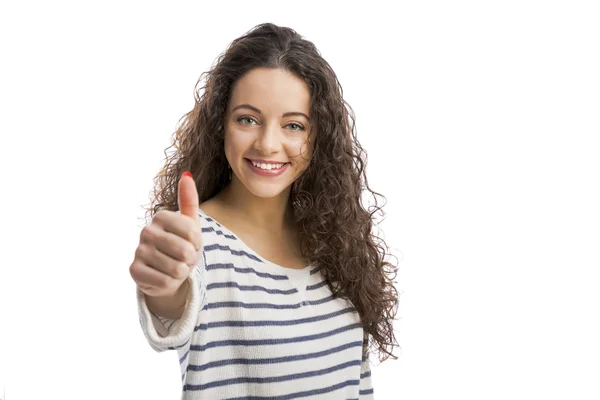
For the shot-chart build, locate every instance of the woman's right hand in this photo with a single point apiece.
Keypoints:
(171, 246)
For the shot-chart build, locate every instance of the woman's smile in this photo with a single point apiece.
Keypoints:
(268, 170)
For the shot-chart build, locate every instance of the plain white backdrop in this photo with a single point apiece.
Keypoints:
(482, 125)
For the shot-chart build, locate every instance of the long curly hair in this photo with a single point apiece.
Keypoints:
(335, 228)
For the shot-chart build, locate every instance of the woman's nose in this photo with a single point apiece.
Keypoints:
(268, 140)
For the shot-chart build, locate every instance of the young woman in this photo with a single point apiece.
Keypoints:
(259, 267)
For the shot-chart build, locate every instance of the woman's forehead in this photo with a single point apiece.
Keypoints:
(273, 91)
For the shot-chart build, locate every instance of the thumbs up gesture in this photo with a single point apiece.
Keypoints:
(171, 246)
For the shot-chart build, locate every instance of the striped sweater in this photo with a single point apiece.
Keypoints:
(252, 329)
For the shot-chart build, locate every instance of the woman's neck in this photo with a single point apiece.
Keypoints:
(274, 215)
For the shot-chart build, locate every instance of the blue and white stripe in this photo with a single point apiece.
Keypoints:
(256, 330)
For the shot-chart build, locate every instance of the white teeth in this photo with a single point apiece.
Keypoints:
(267, 167)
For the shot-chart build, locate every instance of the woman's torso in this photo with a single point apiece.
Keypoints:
(265, 329)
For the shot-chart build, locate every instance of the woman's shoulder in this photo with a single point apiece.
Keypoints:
(214, 209)
(209, 206)
(213, 212)
(213, 216)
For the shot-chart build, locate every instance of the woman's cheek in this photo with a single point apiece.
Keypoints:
(302, 146)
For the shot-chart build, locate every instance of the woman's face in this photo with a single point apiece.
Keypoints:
(267, 119)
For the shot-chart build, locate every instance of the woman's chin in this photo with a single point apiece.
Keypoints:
(266, 190)
(267, 194)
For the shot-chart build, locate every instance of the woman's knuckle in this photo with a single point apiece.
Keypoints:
(174, 270)
(133, 270)
(181, 252)
(139, 251)
(171, 285)
(162, 216)
(183, 270)
(164, 282)
(190, 253)
(147, 234)
(194, 235)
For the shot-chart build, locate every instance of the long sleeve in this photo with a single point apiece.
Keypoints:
(167, 334)
(366, 385)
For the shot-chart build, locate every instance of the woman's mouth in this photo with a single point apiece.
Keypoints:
(264, 169)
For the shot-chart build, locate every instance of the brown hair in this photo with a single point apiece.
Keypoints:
(334, 226)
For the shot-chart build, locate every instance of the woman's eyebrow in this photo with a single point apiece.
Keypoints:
(287, 114)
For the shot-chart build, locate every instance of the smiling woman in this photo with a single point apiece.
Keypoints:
(289, 288)
(267, 132)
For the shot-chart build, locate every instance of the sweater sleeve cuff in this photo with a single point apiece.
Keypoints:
(164, 334)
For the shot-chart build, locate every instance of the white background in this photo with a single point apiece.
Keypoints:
(482, 125)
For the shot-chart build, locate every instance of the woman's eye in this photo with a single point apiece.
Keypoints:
(240, 119)
(299, 127)
(295, 127)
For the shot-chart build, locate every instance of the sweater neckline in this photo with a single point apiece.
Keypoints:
(277, 267)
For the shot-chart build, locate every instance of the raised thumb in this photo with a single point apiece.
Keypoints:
(187, 196)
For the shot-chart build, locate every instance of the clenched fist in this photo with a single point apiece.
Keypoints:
(171, 246)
